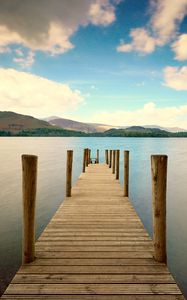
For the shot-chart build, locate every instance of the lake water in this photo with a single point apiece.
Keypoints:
(51, 190)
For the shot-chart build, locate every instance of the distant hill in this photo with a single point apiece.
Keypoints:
(94, 127)
(13, 122)
(137, 131)
(170, 129)
(78, 126)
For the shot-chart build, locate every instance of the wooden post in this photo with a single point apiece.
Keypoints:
(114, 161)
(97, 156)
(110, 159)
(87, 156)
(106, 156)
(126, 173)
(159, 182)
(69, 172)
(84, 161)
(117, 163)
(29, 184)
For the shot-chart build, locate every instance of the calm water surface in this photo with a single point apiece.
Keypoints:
(51, 188)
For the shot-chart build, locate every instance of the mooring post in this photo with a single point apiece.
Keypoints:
(84, 161)
(106, 156)
(69, 172)
(159, 183)
(87, 156)
(126, 173)
(89, 159)
(97, 156)
(114, 161)
(117, 163)
(29, 185)
(110, 159)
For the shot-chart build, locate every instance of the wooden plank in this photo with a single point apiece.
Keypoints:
(94, 297)
(106, 289)
(126, 269)
(74, 238)
(93, 261)
(94, 254)
(94, 248)
(52, 243)
(92, 278)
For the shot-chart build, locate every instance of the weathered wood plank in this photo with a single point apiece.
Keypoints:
(126, 269)
(93, 261)
(93, 278)
(94, 254)
(94, 297)
(93, 289)
(94, 248)
(51, 243)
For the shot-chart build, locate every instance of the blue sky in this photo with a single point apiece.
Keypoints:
(106, 61)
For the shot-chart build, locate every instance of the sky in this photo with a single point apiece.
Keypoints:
(117, 62)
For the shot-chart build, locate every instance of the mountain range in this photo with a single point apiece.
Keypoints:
(14, 124)
(94, 127)
(78, 126)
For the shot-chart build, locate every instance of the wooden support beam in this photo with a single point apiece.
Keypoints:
(117, 163)
(29, 185)
(69, 172)
(97, 156)
(87, 157)
(110, 159)
(114, 162)
(159, 182)
(84, 161)
(126, 173)
(106, 157)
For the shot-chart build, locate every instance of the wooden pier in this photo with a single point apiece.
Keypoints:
(94, 248)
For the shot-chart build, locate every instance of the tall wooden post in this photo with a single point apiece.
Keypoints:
(97, 156)
(69, 172)
(117, 163)
(29, 184)
(114, 161)
(84, 161)
(87, 156)
(126, 173)
(159, 182)
(106, 156)
(110, 159)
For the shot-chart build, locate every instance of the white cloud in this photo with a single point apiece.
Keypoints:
(24, 61)
(102, 13)
(176, 78)
(147, 115)
(30, 94)
(141, 42)
(180, 47)
(166, 16)
(47, 25)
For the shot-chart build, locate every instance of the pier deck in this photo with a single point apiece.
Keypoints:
(94, 248)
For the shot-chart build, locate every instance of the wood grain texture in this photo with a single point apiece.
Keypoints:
(29, 184)
(69, 166)
(159, 179)
(94, 248)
